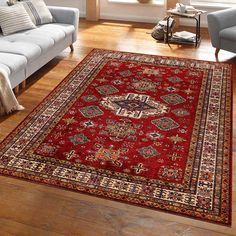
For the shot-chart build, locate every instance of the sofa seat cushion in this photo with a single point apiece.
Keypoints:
(44, 36)
(13, 62)
(29, 50)
(228, 33)
(33, 43)
(39, 43)
(55, 31)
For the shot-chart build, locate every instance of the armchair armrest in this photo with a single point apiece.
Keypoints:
(66, 15)
(218, 21)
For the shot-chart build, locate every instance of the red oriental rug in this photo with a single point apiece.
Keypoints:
(147, 130)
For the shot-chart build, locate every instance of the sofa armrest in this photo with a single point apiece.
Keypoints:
(66, 15)
(218, 21)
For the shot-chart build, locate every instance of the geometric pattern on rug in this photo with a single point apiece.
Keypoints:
(146, 130)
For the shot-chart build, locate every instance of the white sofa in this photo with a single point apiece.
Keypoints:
(23, 53)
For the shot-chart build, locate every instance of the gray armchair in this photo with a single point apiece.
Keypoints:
(222, 29)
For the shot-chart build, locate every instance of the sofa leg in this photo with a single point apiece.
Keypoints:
(71, 48)
(16, 89)
(217, 51)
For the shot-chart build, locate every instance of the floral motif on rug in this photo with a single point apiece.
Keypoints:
(147, 130)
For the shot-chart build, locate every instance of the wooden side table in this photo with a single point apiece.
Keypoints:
(92, 10)
(195, 16)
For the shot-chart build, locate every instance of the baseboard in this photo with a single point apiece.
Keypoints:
(130, 18)
(82, 14)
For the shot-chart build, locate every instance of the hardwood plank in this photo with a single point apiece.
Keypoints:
(13, 228)
(33, 209)
(123, 220)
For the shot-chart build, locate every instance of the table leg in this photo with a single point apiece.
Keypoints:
(167, 30)
(199, 28)
(198, 36)
(196, 32)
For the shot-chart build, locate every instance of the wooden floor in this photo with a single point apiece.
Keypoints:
(31, 209)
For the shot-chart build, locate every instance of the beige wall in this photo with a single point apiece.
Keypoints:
(132, 12)
(129, 12)
(117, 11)
(80, 4)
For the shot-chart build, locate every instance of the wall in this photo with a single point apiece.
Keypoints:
(118, 11)
(131, 12)
(81, 4)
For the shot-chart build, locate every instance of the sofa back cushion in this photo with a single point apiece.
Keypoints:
(37, 10)
(14, 19)
(2, 3)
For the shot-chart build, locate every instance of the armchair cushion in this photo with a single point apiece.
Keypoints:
(229, 33)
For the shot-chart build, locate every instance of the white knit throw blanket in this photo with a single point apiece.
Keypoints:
(8, 102)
